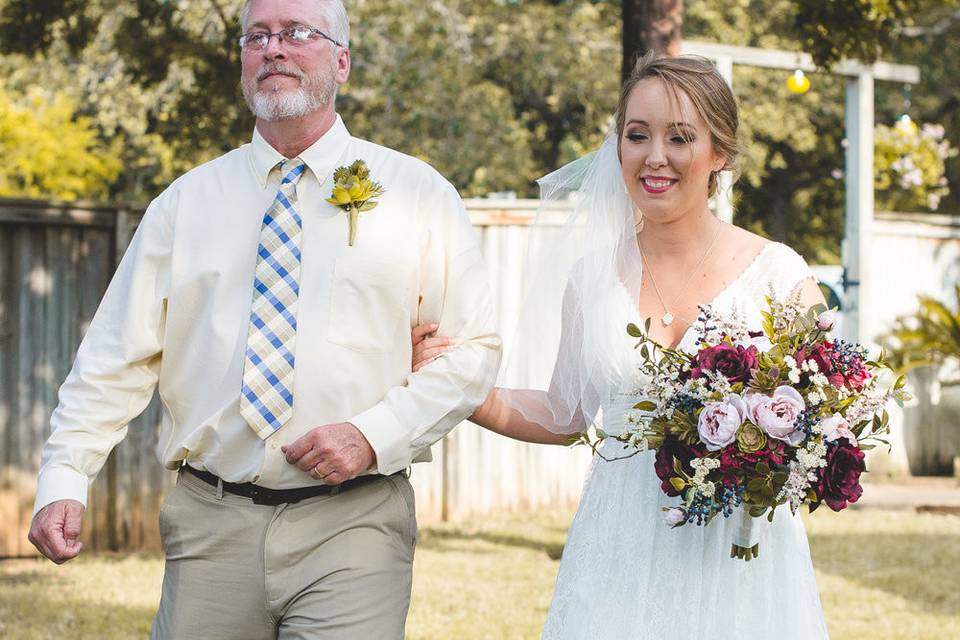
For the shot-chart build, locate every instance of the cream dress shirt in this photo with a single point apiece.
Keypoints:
(175, 316)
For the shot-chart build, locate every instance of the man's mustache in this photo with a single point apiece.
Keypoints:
(274, 68)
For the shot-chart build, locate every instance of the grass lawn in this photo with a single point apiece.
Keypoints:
(882, 575)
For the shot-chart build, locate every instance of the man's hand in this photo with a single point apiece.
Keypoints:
(55, 530)
(333, 453)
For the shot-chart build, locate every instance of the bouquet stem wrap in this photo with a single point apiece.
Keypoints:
(745, 545)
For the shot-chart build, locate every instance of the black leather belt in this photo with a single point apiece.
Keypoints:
(273, 497)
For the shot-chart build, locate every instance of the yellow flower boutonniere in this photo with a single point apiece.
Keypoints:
(354, 191)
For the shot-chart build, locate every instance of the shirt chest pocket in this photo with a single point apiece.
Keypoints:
(367, 304)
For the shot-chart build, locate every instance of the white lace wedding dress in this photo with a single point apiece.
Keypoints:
(626, 575)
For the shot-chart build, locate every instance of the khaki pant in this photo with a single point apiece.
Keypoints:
(336, 566)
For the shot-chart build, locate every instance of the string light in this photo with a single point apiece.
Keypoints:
(798, 83)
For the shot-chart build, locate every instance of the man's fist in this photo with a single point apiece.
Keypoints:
(333, 453)
(55, 530)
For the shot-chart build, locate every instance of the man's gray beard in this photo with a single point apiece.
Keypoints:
(313, 94)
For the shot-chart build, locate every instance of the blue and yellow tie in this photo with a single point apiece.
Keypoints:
(266, 399)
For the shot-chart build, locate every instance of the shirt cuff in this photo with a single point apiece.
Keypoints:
(388, 438)
(61, 483)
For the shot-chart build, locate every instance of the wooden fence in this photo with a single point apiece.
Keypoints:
(55, 263)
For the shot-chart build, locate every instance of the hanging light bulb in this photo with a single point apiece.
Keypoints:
(798, 83)
(905, 124)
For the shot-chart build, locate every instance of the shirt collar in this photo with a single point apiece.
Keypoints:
(321, 157)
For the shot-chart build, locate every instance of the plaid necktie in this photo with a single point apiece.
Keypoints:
(266, 400)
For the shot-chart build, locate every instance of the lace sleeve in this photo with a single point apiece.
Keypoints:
(780, 274)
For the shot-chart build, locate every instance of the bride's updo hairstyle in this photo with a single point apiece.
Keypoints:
(710, 94)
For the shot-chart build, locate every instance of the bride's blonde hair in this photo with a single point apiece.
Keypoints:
(710, 94)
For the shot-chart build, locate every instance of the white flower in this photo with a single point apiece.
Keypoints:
(794, 376)
(762, 343)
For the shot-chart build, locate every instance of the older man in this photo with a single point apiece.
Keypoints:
(276, 325)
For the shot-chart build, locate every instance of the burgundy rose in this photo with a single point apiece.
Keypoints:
(842, 368)
(732, 458)
(663, 463)
(822, 354)
(840, 479)
(733, 362)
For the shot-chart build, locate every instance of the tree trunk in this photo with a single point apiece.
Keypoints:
(650, 24)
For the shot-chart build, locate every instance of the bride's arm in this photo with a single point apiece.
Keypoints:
(495, 414)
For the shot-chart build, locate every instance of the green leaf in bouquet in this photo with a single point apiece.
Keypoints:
(645, 405)
(770, 515)
(763, 468)
(645, 352)
(634, 331)
(757, 510)
(755, 485)
(678, 483)
(867, 447)
(646, 325)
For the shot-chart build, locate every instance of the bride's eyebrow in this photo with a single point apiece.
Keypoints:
(635, 121)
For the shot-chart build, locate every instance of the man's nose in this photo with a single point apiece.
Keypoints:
(274, 48)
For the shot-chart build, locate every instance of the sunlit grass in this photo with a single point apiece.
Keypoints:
(882, 575)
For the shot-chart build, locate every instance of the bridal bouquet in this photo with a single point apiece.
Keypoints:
(759, 419)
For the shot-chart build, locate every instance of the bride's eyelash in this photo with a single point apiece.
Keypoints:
(636, 136)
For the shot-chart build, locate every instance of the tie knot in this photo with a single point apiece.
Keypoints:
(291, 170)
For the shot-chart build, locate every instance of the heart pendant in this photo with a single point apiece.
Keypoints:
(667, 319)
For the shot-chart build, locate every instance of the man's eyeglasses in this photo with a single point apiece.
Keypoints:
(296, 35)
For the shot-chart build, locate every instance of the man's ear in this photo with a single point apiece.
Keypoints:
(343, 65)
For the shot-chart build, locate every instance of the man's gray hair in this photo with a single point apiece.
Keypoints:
(334, 15)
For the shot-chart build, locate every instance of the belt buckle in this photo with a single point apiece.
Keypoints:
(256, 495)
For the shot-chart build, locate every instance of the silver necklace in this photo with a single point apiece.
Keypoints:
(667, 318)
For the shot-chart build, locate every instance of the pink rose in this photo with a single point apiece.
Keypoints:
(675, 517)
(719, 422)
(826, 320)
(777, 415)
(836, 427)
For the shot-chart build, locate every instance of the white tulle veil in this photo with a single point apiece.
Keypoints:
(570, 342)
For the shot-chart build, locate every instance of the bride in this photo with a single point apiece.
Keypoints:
(641, 243)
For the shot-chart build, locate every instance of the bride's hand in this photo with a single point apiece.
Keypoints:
(427, 348)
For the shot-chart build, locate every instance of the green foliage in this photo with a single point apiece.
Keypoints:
(931, 336)
(855, 29)
(48, 152)
(909, 166)
(790, 187)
